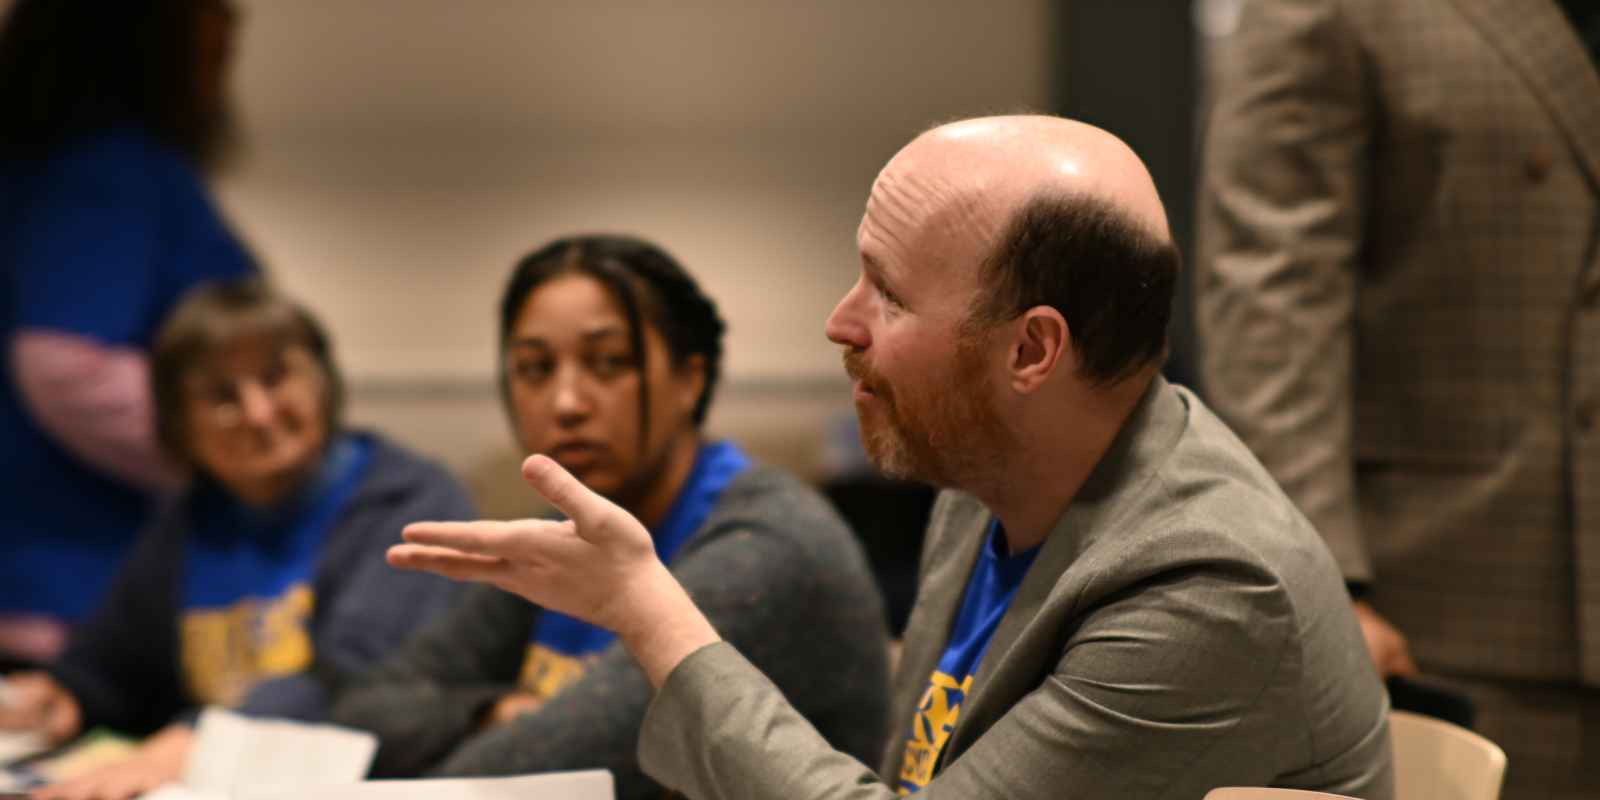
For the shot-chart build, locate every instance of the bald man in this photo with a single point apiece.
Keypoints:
(1116, 600)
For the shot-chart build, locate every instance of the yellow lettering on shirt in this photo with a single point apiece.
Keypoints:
(227, 651)
(546, 672)
(936, 716)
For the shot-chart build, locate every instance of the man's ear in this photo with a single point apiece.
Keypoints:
(1041, 347)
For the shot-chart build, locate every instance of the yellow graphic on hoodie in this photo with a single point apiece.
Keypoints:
(227, 651)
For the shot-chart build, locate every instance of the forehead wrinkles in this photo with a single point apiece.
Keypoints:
(905, 207)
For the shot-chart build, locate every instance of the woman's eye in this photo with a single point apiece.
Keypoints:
(274, 373)
(531, 370)
(610, 366)
(221, 394)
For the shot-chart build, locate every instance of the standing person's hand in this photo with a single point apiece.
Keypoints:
(599, 566)
(34, 701)
(1385, 644)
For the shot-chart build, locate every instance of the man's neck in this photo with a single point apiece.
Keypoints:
(1050, 463)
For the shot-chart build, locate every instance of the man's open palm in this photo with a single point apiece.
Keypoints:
(587, 566)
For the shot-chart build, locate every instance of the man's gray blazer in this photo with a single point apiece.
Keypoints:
(1183, 628)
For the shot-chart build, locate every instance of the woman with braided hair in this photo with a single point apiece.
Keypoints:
(610, 354)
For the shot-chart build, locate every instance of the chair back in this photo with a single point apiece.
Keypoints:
(1258, 793)
(1435, 760)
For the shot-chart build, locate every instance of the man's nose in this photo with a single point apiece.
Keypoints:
(847, 324)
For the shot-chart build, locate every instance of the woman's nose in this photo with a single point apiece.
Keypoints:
(255, 403)
(571, 400)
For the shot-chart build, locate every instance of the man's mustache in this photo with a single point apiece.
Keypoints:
(855, 365)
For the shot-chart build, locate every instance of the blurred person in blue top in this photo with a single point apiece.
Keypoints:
(264, 582)
(109, 115)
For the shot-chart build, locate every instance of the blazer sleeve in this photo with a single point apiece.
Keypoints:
(1154, 696)
(427, 698)
(1280, 229)
(365, 608)
(748, 585)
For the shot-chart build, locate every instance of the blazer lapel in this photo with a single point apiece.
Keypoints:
(1110, 494)
(1538, 40)
(954, 537)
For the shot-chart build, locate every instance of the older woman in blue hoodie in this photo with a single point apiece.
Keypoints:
(265, 581)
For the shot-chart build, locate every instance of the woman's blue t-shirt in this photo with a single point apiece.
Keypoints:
(98, 240)
(560, 647)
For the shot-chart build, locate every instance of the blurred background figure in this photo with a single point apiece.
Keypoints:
(610, 355)
(265, 581)
(1399, 300)
(108, 114)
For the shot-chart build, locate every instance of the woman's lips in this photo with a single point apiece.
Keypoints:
(577, 455)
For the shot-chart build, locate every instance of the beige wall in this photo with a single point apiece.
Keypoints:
(401, 154)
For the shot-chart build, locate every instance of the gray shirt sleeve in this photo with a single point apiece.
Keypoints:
(429, 696)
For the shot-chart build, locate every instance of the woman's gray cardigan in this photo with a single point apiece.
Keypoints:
(775, 570)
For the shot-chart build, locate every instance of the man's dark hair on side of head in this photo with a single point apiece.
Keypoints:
(1111, 280)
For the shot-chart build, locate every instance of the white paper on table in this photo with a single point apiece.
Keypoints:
(177, 791)
(233, 751)
(20, 744)
(593, 784)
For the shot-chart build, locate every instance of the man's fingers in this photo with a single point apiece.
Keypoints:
(580, 503)
(450, 563)
(484, 538)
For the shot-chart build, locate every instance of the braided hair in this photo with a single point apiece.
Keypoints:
(648, 283)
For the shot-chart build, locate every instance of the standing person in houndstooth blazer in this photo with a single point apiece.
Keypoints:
(1399, 298)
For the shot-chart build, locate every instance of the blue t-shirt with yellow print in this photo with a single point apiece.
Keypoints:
(560, 648)
(994, 582)
(247, 596)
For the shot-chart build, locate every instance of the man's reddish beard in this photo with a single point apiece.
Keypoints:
(938, 438)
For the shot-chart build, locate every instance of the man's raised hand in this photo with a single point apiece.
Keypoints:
(596, 566)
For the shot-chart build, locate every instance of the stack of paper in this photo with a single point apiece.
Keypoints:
(238, 758)
(15, 745)
(586, 785)
(232, 751)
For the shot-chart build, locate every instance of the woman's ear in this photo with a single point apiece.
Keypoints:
(1043, 345)
(690, 381)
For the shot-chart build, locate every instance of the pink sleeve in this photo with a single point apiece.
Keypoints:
(94, 400)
